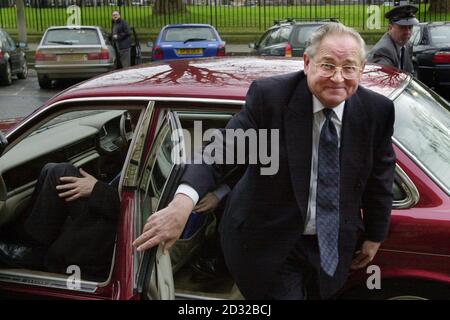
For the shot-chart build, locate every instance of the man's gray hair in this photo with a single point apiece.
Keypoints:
(334, 28)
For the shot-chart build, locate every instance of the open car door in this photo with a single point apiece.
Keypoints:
(158, 180)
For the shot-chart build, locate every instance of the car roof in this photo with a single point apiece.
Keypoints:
(182, 25)
(302, 22)
(72, 27)
(225, 78)
(435, 23)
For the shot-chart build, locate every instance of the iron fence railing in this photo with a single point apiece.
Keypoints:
(227, 15)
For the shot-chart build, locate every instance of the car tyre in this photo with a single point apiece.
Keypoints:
(7, 76)
(23, 74)
(400, 289)
(44, 82)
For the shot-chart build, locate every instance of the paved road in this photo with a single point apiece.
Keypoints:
(23, 97)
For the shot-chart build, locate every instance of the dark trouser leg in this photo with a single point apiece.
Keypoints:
(296, 279)
(125, 57)
(49, 211)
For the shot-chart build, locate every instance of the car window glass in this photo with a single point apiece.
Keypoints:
(422, 126)
(156, 173)
(3, 43)
(72, 37)
(398, 192)
(301, 35)
(10, 41)
(66, 117)
(415, 38)
(106, 37)
(284, 34)
(440, 34)
(272, 38)
(263, 39)
(183, 34)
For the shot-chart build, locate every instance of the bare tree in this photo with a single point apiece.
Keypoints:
(441, 6)
(169, 6)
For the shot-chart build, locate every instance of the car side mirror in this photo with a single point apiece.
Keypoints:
(22, 45)
(150, 44)
(252, 45)
(3, 142)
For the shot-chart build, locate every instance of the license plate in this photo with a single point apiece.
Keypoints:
(189, 51)
(71, 57)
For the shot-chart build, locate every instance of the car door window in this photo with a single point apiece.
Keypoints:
(301, 35)
(156, 173)
(416, 36)
(285, 32)
(271, 38)
(3, 42)
(11, 43)
(158, 180)
(106, 37)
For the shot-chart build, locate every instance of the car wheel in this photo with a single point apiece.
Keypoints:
(7, 76)
(400, 289)
(44, 82)
(24, 71)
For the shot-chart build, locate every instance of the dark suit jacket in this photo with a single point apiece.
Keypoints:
(265, 215)
(385, 52)
(121, 28)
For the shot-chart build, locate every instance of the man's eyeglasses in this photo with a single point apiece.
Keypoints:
(348, 72)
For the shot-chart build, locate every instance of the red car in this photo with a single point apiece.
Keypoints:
(126, 121)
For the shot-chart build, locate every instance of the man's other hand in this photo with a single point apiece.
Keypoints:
(208, 203)
(165, 226)
(365, 256)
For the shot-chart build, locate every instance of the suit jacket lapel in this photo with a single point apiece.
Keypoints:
(298, 117)
(353, 135)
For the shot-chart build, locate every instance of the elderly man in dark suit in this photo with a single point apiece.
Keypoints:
(393, 48)
(294, 234)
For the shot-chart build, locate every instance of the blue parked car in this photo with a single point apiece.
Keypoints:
(180, 41)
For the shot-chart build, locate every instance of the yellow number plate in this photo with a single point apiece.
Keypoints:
(189, 51)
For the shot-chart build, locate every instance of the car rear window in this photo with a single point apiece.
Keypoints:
(440, 34)
(72, 37)
(184, 34)
(302, 34)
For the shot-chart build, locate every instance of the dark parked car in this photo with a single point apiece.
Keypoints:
(288, 38)
(431, 54)
(13, 60)
(182, 41)
(89, 125)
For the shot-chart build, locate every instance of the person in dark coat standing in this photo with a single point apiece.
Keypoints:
(121, 36)
(393, 48)
(296, 233)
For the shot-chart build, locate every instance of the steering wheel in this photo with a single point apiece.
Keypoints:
(126, 127)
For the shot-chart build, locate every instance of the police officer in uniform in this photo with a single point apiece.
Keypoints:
(393, 48)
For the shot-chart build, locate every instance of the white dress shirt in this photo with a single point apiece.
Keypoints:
(318, 121)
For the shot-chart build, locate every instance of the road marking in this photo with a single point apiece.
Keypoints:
(17, 93)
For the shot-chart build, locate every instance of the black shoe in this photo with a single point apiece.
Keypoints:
(210, 268)
(19, 256)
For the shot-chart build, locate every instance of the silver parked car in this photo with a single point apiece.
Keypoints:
(73, 52)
